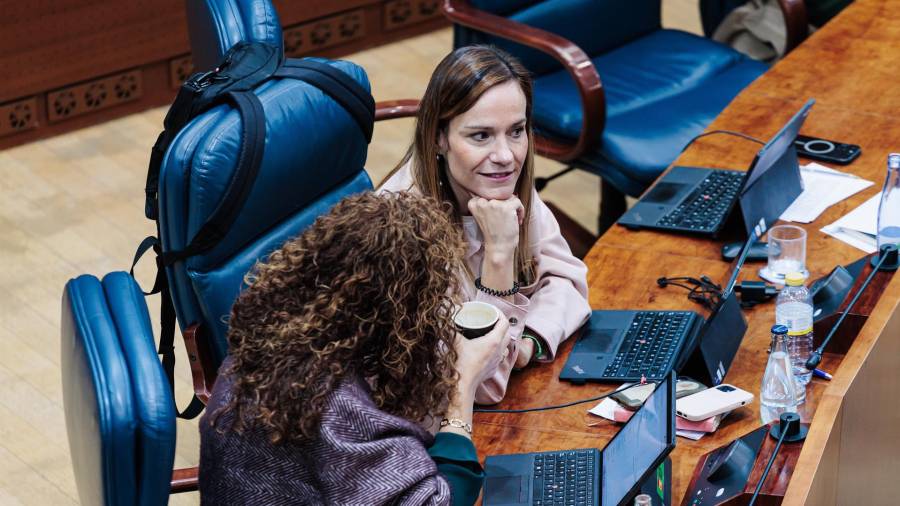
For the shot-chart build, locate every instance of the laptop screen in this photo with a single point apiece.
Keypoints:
(640, 445)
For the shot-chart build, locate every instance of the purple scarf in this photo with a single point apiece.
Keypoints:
(363, 456)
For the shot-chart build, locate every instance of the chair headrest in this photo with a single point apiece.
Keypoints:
(216, 25)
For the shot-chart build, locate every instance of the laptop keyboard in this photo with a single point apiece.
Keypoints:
(649, 346)
(706, 207)
(564, 478)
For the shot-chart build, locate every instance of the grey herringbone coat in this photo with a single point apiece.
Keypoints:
(363, 456)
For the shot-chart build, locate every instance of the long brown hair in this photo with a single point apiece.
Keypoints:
(457, 83)
(367, 290)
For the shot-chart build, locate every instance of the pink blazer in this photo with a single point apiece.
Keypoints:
(553, 307)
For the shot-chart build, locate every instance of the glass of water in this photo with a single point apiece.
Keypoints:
(787, 253)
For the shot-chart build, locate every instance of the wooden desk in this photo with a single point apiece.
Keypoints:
(853, 449)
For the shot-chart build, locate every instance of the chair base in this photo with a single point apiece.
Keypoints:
(612, 206)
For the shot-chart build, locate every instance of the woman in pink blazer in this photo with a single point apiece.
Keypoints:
(472, 149)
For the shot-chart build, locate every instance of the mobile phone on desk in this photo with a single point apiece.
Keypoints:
(824, 150)
(712, 402)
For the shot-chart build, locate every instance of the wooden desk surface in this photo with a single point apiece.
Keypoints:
(847, 67)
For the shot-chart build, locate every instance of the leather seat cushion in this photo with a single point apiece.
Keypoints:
(660, 92)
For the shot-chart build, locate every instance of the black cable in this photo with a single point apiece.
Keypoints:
(727, 132)
(559, 406)
(704, 291)
(765, 474)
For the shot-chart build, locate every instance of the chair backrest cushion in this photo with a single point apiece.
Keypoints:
(216, 25)
(596, 26)
(97, 398)
(154, 407)
(120, 416)
(314, 153)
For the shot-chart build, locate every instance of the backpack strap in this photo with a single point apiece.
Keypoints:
(335, 83)
(253, 141)
(167, 324)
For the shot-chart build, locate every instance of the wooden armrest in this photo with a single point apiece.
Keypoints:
(396, 109)
(796, 22)
(573, 59)
(184, 480)
(203, 373)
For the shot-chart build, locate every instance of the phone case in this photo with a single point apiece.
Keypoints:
(634, 398)
(825, 150)
(711, 402)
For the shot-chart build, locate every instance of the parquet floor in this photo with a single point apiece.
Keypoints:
(74, 204)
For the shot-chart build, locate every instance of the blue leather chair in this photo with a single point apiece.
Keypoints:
(614, 92)
(120, 414)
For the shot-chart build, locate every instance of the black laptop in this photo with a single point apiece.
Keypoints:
(589, 476)
(619, 346)
(700, 200)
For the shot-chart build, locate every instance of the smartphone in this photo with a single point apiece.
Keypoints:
(633, 398)
(826, 151)
(712, 402)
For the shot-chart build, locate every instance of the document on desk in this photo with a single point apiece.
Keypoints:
(822, 188)
(859, 227)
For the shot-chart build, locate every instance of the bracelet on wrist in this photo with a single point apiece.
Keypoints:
(497, 293)
(458, 424)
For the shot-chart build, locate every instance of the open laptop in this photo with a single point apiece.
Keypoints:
(589, 476)
(618, 346)
(700, 200)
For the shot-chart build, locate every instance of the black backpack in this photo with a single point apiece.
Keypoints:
(244, 67)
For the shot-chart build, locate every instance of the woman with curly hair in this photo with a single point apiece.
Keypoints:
(341, 349)
(472, 149)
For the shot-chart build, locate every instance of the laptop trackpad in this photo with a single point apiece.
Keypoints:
(663, 193)
(600, 341)
(506, 490)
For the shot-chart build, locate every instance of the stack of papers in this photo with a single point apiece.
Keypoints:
(613, 411)
(859, 227)
(822, 188)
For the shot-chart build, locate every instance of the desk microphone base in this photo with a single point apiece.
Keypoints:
(728, 475)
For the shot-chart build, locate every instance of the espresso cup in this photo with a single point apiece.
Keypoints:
(475, 319)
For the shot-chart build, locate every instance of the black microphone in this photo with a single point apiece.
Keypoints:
(787, 429)
(887, 254)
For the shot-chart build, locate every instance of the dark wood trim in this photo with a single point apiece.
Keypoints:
(396, 109)
(329, 29)
(574, 60)
(203, 373)
(184, 480)
(796, 21)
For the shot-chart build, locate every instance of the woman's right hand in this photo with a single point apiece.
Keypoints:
(478, 358)
(499, 221)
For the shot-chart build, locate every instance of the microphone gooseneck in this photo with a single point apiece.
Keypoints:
(816, 356)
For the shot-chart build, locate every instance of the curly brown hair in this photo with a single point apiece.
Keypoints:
(367, 290)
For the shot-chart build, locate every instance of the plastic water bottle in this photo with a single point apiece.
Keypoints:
(794, 309)
(643, 500)
(889, 207)
(778, 393)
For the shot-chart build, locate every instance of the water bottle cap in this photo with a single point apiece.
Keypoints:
(779, 329)
(894, 161)
(794, 279)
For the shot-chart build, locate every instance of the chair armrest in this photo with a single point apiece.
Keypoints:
(573, 59)
(396, 109)
(796, 22)
(185, 480)
(203, 373)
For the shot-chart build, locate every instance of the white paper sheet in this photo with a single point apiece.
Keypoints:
(858, 227)
(822, 188)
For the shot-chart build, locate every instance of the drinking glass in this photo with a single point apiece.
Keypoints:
(787, 253)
